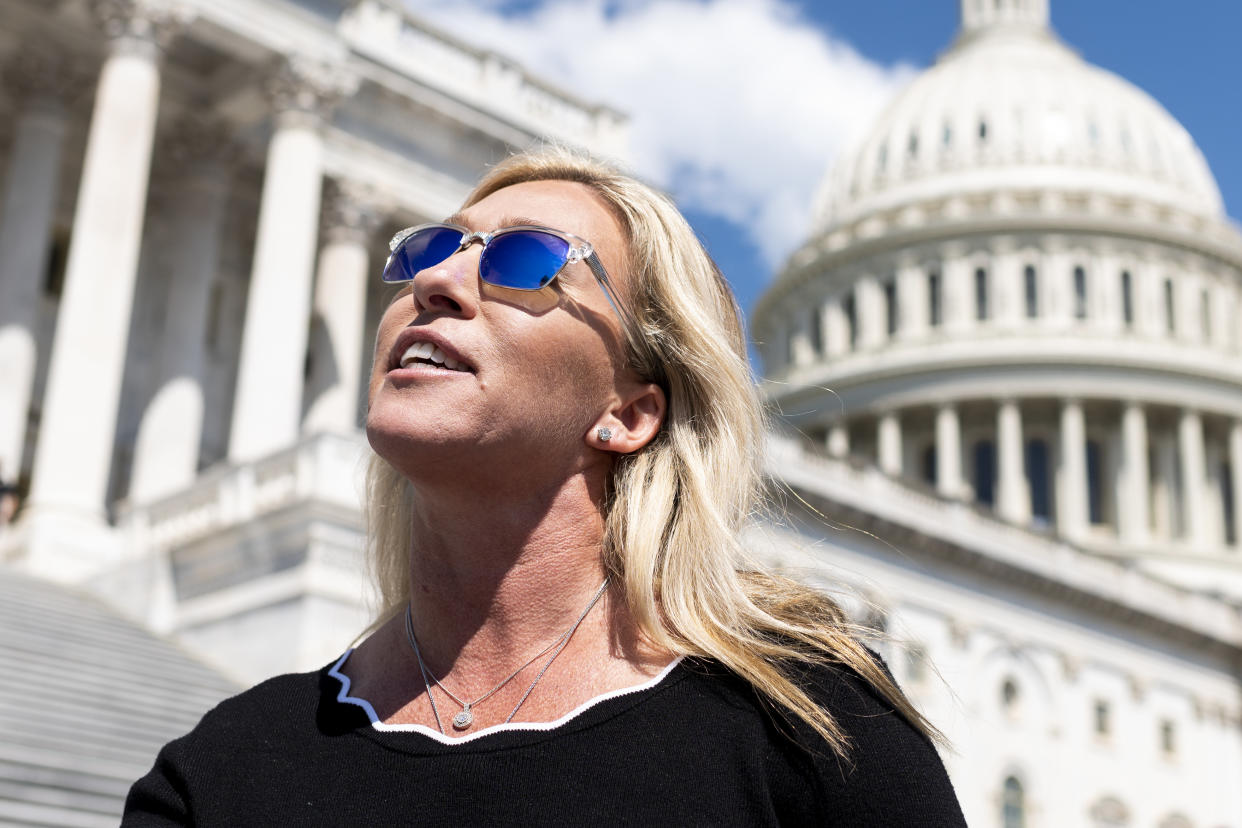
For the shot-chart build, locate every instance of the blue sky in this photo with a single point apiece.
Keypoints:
(738, 106)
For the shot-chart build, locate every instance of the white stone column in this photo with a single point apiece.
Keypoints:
(1134, 517)
(888, 439)
(838, 440)
(341, 307)
(1194, 477)
(38, 80)
(1008, 300)
(958, 292)
(912, 301)
(1235, 465)
(1013, 500)
(801, 351)
(267, 404)
(1072, 480)
(836, 329)
(74, 451)
(948, 451)
(167, 446)
(869, 310)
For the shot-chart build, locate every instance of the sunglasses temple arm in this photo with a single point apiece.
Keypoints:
(623, 313)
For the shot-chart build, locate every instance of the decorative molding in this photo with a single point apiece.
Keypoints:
(141, 27)
(352, 212)
(304, 91)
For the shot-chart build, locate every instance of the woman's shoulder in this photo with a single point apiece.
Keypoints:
(283, 702)
(889, 773)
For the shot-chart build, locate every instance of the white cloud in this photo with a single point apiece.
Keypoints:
(736, 106)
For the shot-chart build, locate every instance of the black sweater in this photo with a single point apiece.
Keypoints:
(693, 747)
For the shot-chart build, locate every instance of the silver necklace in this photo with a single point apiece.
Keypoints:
(465, 718)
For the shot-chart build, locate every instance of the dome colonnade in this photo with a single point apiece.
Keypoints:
(1022, 290)
(240, 165)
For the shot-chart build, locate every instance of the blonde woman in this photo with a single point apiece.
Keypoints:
(567, 443)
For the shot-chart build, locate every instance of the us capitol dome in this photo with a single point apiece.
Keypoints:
(1021, 291)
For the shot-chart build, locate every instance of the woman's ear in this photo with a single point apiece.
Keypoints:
(632, 422)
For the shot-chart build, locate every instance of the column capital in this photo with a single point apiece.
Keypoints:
(303, 90)
(352, 211)
(143, 27)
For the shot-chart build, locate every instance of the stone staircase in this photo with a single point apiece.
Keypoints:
(86, 701)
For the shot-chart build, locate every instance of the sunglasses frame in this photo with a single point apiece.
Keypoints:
(580, 250)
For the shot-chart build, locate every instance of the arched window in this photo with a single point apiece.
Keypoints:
(1013, 804)
(981, 293)
(881, 159)
(1038, 479)
(1080, 293)
(1127, 299)
(1168, 738)
(983, 130)
(1031, 281)
(912, 145)
(817, 333)
(984, 463)
(1009, 694)
(1109, 812)
(946, 136)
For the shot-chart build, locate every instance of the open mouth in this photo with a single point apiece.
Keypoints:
(428, 354)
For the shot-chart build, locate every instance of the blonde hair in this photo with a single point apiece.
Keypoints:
(678, 506)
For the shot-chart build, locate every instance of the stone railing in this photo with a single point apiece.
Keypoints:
(326, 468)
(394, 38)
(1043, 556)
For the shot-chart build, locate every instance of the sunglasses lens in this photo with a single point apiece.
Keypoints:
(420, 251)
(524, 259)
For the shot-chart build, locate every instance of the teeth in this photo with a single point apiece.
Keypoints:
(431, 353)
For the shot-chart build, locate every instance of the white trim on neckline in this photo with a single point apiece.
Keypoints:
(344, 698)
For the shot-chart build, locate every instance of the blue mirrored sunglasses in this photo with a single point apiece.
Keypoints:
(524, 257)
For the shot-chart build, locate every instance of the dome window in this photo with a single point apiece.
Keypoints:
(1080, 293)
(912, 145)
(983, 130)
(1031, 283)
(1095, 483)
(1038, 479)
(983, 457)
(849, 307)
(1170, 315)
(935, 299)
(1093, 134)
(1230, 517)
(881, 159)
(982, 299)
(890, 305)
(1127, 299)
(946, 137)
(927, 464)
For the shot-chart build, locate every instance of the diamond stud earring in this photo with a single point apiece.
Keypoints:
(604, 433)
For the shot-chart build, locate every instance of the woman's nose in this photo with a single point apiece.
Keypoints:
(451, 286)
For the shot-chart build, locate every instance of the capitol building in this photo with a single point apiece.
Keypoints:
(1004, 368)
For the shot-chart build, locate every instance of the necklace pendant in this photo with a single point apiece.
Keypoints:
(463, 719)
